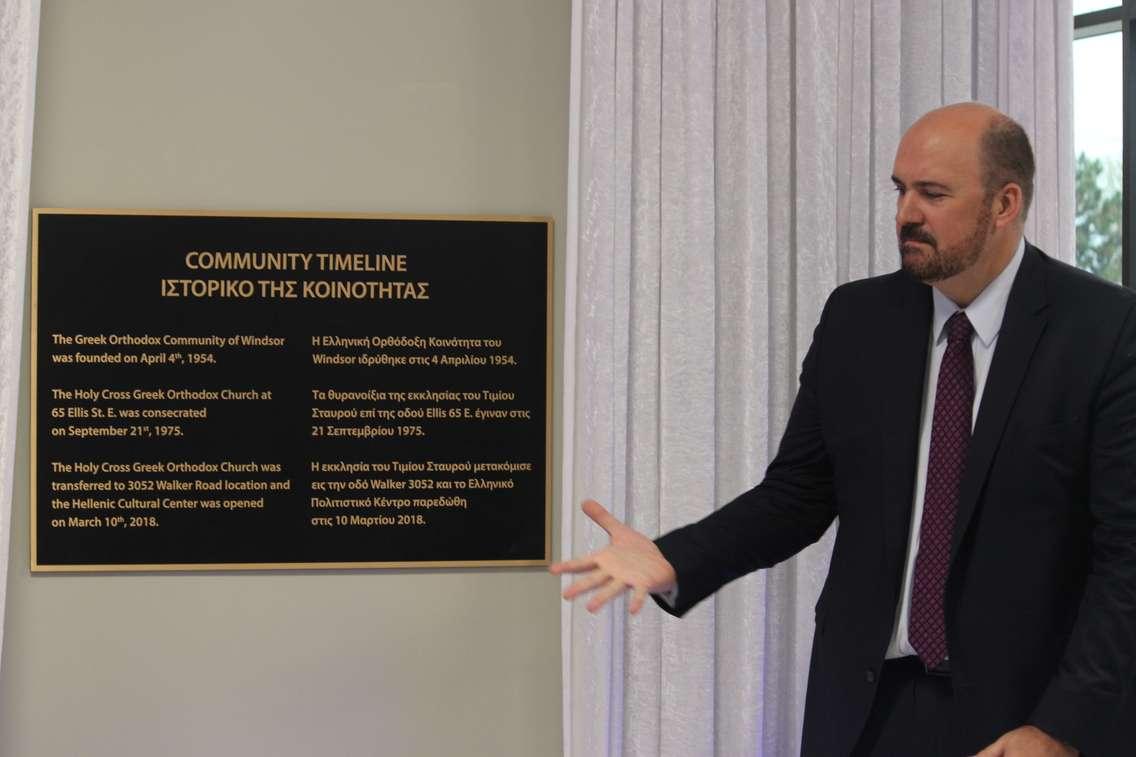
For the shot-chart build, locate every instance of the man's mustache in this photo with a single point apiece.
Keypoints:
(913, 232)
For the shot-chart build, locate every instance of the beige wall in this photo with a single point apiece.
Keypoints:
(424, 106)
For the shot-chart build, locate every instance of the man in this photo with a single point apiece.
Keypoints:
(971, 421)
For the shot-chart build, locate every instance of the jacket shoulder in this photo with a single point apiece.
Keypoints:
(1081, 291)
(863, 294)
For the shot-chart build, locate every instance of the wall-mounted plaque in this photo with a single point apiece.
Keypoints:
(247, 391)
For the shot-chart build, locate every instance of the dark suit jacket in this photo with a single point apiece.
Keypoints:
(1041, 596)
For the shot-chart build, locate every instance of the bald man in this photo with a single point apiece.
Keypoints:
(971, 421)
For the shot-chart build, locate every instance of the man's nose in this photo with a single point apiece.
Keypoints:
(907, 210)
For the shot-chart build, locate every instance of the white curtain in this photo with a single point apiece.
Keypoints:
(729, 165)
(19, 40)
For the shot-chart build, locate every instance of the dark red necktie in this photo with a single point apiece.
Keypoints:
(950, 438)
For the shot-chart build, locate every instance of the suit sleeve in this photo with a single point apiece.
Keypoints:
(1084, 701)
(790, 509)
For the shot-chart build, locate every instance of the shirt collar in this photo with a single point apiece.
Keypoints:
(986, 312)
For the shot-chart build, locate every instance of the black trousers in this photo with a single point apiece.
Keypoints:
(911, 715)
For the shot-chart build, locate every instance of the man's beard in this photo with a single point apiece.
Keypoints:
(943, 263)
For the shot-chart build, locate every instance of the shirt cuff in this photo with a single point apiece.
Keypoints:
(670, 598)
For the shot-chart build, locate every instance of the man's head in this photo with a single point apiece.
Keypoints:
(964, 178)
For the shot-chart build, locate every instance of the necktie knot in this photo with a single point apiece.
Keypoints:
(958, 328)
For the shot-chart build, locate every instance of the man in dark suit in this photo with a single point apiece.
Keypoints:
(971, 421)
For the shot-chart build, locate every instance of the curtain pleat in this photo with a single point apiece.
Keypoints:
(729, 167)
(19, 40)
(742, 332)
(642, 678)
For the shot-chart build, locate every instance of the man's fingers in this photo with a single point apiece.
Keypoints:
(579, 565)
(600, 515)
(587, 583)
(609, 592)
(638, 597)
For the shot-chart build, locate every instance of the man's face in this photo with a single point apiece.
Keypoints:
(943, 219)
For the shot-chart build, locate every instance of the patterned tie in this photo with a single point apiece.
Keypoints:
(950, 438)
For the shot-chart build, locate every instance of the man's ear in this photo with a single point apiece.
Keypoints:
(1007, 205)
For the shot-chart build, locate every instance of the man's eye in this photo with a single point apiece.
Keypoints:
(934, 195)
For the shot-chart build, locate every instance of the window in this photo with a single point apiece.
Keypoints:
(1102, 104)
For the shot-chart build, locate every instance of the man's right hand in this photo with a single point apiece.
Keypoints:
(631, 562)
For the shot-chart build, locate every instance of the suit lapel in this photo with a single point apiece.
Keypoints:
(900, 410)
(1022, 325)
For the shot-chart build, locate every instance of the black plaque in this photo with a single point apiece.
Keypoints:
(225, 391)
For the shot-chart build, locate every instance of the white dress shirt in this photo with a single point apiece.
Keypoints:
(985, 315)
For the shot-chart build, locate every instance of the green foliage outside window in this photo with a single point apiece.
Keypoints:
(1098, 217)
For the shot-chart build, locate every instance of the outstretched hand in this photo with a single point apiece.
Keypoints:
(630, 562)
